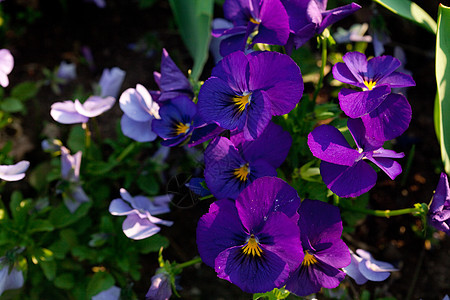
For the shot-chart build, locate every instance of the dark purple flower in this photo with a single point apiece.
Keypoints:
(244, 92)
(254, 242)
(232, 164)
(171, 81)
(310, 17)
(262, 21)
(321, 228)
(375, 77)
(14, 172)
(343, 168)
(439, 210)
(196, 186)
(160, 289)
(364, 267)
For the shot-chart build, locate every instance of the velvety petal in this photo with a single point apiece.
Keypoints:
(342, 73)
(397, 79)
(274, 27)
(233, 43)
(118, 207)
(138, 105)
(137, 229)
(381, 66)
(252, 275)
(335, 253)
(279, 76)
(296, 11)
(171, 76)
(347, 181)
(258, 115)
(138, 131)
(389, 166)
(202, 134)
(65, 113)
(272, 145)
(14, 172)
(233, 69)
(94, 106)
(304, 34)
(237, 11)
(441, 197)
(328, 144)
(390, 119)
(195, 185)
(359, 133)
(358, 103)
(387, 153)
(334, 15)
(356, 62)
(219, 230)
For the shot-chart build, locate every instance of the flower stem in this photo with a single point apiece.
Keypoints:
(384, 213)
(87, 137)
(323, 42)
(189, 263)
(125, 152)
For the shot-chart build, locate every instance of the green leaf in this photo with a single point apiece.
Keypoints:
(99, 282)
(100, 167)
(194, 23)
(11, 105)
(76, 140)
(61, 216)
(39, 226)
(152, 244)
(275, 294)
(411, 11)
(49, 269)
(65, 281)
(25, 90)
(443, 82)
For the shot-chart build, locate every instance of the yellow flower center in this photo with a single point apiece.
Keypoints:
(181, 128)
(252, 247)
(242, 172)
(370, 85)
(254, 21)
(242, 101)
(309, 259)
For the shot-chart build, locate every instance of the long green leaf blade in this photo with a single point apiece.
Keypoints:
(443, 82)
(411, 11)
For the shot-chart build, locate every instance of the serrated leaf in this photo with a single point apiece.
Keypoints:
(25, 90)
(411, 11)
(443, 83)
(11, 105)
(194, 23)
(99, 282)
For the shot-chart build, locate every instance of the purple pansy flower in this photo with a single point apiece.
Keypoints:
(232, 164)
(178, 120)
(343, 168)
(73, 195)
(69, 112)
(364, 267)
(376, 77)
(9, 280)
(171, 81)
(439, 209)
(6, 66)
(160, 289)
(245, 91)
(139, 112)
(113, 293)
(14, 172)
(310, 17)
(111, 81)
(140, 222)
(321, 228)
(263, 21)
(254, 242)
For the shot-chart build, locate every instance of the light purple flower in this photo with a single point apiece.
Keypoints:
(140, 222)
(113, 293)
(67, 71)
(14, 172)
(343, 168)
(6, 66)
(9, 280)
(111, 81)
(439, 210)
(364, 267)
(354, 34)
(73, 195)
(139, 112)
(160, 289)
(69, 112)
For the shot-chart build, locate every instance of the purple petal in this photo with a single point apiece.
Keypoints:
(389, 166)
(10, 280)
(441, 196)
(279, 76)
(138, 131)
(252, 275)
(328, 144)
(332, 16)
(171, 77)
(94, 106)
(356, 62)
(14, 172)
(218, 230)
(397, 79)
(342, 73)
(233, 70)
(381, 66)
(65, 113)
(137, 229)
(237, 11)
(70, 164)
(160, 289)
(258, 115)
(75, 198)
(304, 34)
(111, 81)
(202, 134)
(347, 181)
(359, 134)
(352, 270)
(387, 153)
(113, 293)
(233, 43)
(336, 255)
(118, 207)
(274, 27)
(390, 119)
(356, 103)
(138, 105)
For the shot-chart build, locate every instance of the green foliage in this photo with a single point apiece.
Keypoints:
(275, 294)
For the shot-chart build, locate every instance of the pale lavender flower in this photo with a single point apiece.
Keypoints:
(354, 34)
(6, 66)
(14, 172)
(140, 222)
(67, 71)
(113, 293)
(69, 112)
(111, 81)
(160, 289)
(9, 280)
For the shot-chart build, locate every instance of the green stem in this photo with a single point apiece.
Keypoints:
(206, 197)
(125, 152)
(384, 213)
(189, 263)
(322, 68)
(87, 136)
